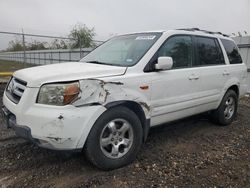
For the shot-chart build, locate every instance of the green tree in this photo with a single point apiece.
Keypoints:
(58, 44)
(35, 45)
(15, 45)
(82, 35)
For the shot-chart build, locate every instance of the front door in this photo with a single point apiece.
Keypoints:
(173, 91)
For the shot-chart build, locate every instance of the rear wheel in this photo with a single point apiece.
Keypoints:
(115, 139)
(226, 112)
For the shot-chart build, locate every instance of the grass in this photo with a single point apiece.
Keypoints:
(11, 66)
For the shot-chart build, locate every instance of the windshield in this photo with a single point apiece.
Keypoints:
(124, 50)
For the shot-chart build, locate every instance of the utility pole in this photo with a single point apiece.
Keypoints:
(24, 49)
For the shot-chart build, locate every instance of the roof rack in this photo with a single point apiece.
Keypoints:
(205, 31)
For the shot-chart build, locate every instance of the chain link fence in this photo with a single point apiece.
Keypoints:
(34, 49)
(43, 57)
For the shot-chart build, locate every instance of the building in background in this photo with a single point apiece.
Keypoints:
(244, 46)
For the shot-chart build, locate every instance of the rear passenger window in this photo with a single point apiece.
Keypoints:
(232, 51)
(208, 52)
(180, 49)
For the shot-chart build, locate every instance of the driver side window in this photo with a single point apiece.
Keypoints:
(180, 49)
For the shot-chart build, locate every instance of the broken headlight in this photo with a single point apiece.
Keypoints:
(58, 94)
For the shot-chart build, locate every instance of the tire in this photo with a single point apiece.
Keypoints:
(115, 139)
(226, 112)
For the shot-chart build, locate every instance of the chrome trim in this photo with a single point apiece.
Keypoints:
(15, 89)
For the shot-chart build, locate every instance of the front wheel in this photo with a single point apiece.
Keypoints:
(115, 139)
(226, 112)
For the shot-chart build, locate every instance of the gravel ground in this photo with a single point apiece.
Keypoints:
(189, 153)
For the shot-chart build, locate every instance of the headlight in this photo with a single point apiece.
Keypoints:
(58, 94)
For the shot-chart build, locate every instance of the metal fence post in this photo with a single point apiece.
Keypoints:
(80, 43)
(24, 50)
(44, 55)
(59, 56)
(39, 58)
(51, 57)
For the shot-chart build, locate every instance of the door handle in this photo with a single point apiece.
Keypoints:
(226, 73)
(193, 77)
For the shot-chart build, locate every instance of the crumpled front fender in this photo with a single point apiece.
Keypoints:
(97, 91)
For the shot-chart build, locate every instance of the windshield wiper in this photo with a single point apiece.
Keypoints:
(99, 62)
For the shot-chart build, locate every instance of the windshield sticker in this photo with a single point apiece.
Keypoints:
(149, 37)
(129, 60)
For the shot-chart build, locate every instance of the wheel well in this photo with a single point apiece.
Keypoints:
(235, 88)
(137, 109)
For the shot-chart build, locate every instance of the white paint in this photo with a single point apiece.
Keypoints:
(37, 76)
(172, 94)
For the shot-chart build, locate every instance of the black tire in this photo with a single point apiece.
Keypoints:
(93, 149)
(218, 115)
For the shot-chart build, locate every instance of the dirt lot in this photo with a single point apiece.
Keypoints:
(189, 153)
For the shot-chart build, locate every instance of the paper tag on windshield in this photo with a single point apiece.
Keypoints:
(149, 37)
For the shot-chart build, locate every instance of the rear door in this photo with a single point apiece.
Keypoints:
(213, 71)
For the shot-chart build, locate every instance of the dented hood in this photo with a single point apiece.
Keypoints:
(36, 76)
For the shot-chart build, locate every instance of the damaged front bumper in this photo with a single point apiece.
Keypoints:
(9, 120)
(51, 127)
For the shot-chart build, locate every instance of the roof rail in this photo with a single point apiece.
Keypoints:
(205, 31)
(190, 29)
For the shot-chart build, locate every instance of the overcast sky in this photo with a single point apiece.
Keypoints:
(57, 17)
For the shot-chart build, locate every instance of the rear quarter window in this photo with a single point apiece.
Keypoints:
(232, 51)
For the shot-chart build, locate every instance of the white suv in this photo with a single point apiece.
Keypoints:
(105, 104)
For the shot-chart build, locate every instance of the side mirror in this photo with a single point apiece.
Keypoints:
(164, 63)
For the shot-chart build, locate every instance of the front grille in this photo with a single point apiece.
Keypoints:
(15, 89)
